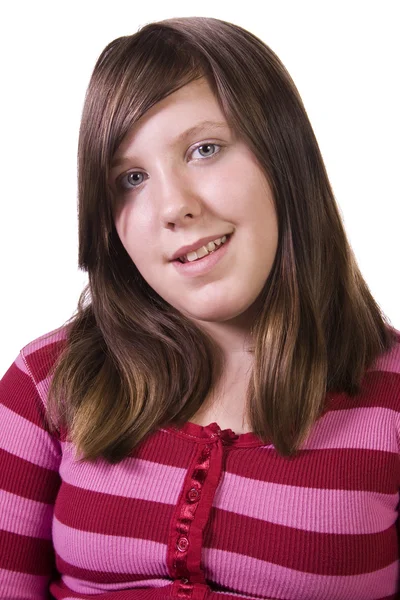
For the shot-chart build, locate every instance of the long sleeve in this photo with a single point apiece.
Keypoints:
(29, 481)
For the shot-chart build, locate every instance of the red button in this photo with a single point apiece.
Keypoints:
(183, 544)
(193, 495)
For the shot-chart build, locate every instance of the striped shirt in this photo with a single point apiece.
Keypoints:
(198, 512)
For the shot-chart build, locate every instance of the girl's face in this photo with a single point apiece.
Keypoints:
(174, 186)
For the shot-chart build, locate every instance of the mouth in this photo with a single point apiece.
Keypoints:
(185, 260)
(204, 265)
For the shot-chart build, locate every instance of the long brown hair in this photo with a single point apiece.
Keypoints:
(133, 363)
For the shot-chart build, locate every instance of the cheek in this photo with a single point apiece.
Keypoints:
(134, 222)
(121, 222)
(136, 240)
(126, 235)
(128, 229)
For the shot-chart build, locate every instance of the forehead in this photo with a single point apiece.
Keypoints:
(189, 111)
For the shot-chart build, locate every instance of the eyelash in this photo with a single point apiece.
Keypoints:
(122, 180)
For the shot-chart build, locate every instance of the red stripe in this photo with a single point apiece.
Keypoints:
(25, 554)
(181, 451)
(27, 480)
(95, 576)
(19, 394)
(60, 591)
(339, 469)
(318, 553)
(42, 360)
(214, 595)
(379, 389)
(126, 517)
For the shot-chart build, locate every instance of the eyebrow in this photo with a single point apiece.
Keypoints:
(182, 137)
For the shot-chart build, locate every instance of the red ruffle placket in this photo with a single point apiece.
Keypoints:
(192, 514)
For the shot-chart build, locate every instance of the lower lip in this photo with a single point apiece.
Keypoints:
(203, 265)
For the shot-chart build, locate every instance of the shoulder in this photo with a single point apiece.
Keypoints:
(24, 392)
(38, 357)
(369, 419)
(388, 362)
(381, 384)
(44, 350)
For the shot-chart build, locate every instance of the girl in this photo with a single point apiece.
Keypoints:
(220, 417)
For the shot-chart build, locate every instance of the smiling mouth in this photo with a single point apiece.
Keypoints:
(184, 259)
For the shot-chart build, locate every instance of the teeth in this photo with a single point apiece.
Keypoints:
(204, 250)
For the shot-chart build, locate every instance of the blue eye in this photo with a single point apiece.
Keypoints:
(129, 181)
(208, 145)
(133, 179)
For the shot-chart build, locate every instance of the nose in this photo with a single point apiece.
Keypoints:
(179, 199)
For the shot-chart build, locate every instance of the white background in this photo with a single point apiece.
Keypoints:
(342, 55)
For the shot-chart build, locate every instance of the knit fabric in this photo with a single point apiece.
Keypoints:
(200, 513)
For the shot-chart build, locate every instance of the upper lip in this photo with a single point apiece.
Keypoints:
(196, 245)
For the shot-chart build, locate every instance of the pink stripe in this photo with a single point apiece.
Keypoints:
(132, 478)
(25, 517)
(45, 340)
(250, 575)
(93, 551)
(214, 595)
(41, 386)
(306, 508)
(389, 362)
(20, 363)
(23, 585)
(372, 428)
(28, 441)
(43, 389)
(80, 586)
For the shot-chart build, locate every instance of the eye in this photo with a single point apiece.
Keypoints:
(134, 179)
(209, 147)
(130, 180)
